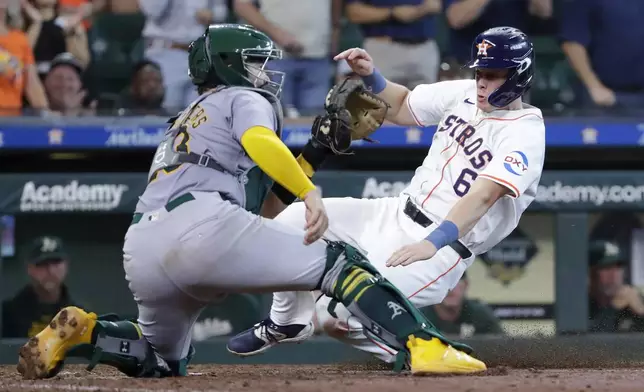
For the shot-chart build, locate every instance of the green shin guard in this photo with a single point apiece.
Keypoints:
(385, 313)
(120, 344)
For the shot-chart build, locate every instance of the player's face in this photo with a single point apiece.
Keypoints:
(488, 80)
(48, 275)
(608, 280)
(258, 76)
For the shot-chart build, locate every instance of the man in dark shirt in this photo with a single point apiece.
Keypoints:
(463, 317)
(400, 36)
(467, 18)
(602, 40)
(613, 305)
(33, 307)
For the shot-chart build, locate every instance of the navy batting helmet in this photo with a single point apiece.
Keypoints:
(505, 48)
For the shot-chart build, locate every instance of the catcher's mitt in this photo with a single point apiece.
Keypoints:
(352, 113)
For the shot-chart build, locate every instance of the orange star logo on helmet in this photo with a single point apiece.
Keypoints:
(483, 47)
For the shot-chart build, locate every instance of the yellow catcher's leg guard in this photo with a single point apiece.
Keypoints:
(387, 315)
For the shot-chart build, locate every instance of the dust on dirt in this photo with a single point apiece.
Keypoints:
(331, 378)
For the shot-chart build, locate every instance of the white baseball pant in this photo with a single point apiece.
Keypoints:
(378, 227)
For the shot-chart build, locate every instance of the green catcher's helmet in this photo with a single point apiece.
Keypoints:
(234, 55)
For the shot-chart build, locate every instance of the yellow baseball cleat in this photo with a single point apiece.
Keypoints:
(435, 357)
(44, 354)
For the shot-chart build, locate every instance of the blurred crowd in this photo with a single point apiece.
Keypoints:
(128, 57)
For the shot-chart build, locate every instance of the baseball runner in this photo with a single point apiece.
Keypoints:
(479, 176)
(197, 231)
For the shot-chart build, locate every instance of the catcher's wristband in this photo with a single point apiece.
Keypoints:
(314, 154)
(310, 160)
(376, 82)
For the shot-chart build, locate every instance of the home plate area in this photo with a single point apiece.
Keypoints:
(330, 378)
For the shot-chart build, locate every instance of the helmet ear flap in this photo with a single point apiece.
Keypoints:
(199, 60)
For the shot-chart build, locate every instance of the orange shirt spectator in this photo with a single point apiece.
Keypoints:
(15, 57)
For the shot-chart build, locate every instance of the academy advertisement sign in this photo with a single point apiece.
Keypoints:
(60, 193)
(557, 190)
(72, 196)
(590, 190)
(598, 195)
(118, 192)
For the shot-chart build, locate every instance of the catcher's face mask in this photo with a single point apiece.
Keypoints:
(255, 61)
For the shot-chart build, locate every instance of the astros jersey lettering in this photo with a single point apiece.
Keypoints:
(504, 146)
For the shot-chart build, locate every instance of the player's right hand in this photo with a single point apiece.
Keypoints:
(358, 59)
(316, 219)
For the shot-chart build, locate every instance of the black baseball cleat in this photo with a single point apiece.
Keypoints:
(267, 334)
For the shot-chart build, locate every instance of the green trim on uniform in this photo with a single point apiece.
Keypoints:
(136, 218)
(171, 205)
(176, 202)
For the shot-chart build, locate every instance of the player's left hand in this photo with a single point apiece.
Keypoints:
(408, 254)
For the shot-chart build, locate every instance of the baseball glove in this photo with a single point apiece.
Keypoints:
(352, 113)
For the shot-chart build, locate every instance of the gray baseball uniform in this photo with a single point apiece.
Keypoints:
(179, 256)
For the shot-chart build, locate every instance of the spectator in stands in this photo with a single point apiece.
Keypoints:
(117, 6)
(37, 303)
(18, 74)
(145, 94)
(400, 36)
(170, 27)
(70, 7)
(90, 7)
(458, 315)
(308, 31)
(602, 40)
(467, 18)
(80, 9)
(614, 306)
(64, 87)
(85, 9)
(51, 33)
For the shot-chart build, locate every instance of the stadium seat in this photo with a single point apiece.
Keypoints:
(116, 45)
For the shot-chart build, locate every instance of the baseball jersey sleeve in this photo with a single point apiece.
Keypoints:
(250, 109)
(518, 160)
(429, 102)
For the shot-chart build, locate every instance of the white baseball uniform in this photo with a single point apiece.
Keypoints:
(504, 146)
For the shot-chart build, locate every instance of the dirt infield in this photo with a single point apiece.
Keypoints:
(338, 378)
